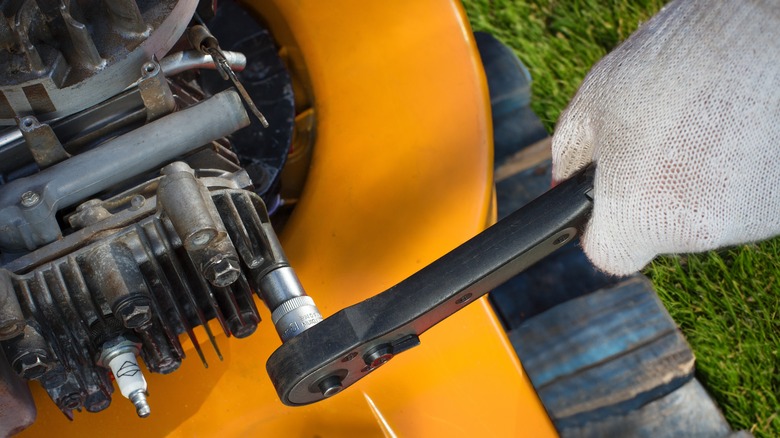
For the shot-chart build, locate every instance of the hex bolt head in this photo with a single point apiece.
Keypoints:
(30, 199)
(135, 312)
(135, 315)
(31, 365)
(222, 271)
(70, 401)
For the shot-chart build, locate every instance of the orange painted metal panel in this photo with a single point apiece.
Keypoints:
(401, 173)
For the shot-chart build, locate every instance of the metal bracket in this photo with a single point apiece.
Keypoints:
(43, 143)
(155, 91)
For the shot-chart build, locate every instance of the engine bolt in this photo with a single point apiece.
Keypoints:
(70, 401)
(30, 199)
(135, 316)
(31, 366)
(222, 271)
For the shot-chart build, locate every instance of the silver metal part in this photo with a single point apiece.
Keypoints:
(178, 62)
(155, 91)
(44, 145)
(29, 199)
(203, 40)
(181, 196)
(78, 178)
(330, 386)
(189, 206)
(103, 258)
(141, 405)
(279, 286)
(120, 356)
(295, 316)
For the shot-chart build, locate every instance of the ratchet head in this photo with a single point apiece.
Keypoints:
(337, 352)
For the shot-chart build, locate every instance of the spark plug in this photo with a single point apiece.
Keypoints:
(120, 356)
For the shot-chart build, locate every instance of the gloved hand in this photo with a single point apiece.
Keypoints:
(683, 123)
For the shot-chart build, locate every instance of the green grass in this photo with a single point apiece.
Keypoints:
(726, 303)
(558, 41)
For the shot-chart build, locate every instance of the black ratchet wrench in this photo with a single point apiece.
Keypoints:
(347, 346)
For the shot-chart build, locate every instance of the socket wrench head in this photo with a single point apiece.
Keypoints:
(294, 316)
(292, 311)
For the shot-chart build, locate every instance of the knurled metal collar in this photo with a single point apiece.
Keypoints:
(290, 305)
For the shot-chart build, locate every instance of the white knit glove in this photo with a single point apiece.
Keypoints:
(683, 123)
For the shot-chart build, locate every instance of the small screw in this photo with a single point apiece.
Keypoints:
(349, 357)
(30, 199)
(149, 68)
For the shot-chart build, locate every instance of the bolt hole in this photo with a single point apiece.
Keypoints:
(463, 299)
(561, 239)
(349, 357)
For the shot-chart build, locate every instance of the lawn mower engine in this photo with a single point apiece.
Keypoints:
(134, 193)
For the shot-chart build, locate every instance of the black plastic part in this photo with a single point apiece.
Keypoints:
(563, 276)
(430, 295)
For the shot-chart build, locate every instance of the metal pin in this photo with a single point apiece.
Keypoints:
(202, 39)
(223, 66)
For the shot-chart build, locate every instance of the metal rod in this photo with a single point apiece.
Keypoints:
(191, 59)
(141, 150)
